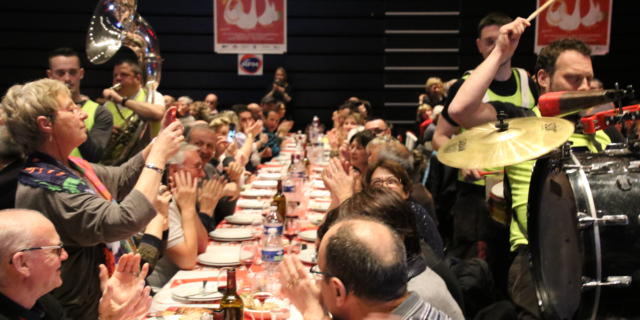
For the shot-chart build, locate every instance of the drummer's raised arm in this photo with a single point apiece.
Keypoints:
(467, 108)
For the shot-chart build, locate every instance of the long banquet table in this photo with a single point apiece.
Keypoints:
(314, 201)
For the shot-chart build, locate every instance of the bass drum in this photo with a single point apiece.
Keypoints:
(584, 234)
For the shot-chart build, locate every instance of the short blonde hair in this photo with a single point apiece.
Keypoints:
(218, 122)
(24, 103)
(433, 80)
(357, 117)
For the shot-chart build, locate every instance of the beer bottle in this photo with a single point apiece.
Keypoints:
(280, 201)
(231, 304)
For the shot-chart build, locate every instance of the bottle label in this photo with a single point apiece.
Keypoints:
(278, 228)
(272, 255)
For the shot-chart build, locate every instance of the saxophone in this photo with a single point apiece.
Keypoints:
(113, 24)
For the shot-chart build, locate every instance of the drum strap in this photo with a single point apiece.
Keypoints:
(594, 141)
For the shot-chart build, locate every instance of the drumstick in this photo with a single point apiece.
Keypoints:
(539, 10)
(487, 173)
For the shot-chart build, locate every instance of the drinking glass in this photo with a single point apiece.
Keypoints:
(291, 230)
(248, 255)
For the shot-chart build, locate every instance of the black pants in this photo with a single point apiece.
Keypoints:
(521, 287)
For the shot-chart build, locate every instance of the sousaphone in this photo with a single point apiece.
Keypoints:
(116, 23)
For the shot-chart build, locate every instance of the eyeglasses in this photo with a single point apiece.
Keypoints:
(317, 274)
(377, 131)
(390, 181)
(57, 249)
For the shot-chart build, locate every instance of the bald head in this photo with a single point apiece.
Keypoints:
(367, 256)
(374, 236)
(19, 228)
(211, 100)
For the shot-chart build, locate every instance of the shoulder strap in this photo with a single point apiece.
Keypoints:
(524, 87)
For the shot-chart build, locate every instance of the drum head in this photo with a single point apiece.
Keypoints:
(554, 240)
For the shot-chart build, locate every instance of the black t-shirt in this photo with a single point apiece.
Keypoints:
(502, 88)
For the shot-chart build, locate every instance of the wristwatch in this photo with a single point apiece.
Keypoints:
(152, 166)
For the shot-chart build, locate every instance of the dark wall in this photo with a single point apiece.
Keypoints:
(619, 65)
(335, 48)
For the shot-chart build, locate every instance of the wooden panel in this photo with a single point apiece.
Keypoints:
(422, 41)
(418, 77)
(422, 59)
(422, 5)
(422, 22)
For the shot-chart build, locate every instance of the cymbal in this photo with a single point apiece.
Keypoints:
(485, 146)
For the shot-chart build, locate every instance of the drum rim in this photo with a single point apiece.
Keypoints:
(540, 172)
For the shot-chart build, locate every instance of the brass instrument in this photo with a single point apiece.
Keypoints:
(114, 23)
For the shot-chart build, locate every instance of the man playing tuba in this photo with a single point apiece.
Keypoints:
(127, 99)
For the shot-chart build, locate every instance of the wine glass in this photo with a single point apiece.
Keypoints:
(291, 230)
(248, 255)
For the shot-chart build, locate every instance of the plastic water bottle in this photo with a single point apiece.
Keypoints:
(314, 130)
(272, 222)
(272, 251)
(299, 172)
(289, 185)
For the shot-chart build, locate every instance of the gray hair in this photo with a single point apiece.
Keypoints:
(14, 234)
(194, 127)
(379, 141)
(180, 156)
(24, 103)
(392, 149)
(185, 99)
(8, 148)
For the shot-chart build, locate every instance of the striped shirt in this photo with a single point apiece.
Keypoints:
(414, 308)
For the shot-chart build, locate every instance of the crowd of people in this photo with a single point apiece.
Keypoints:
(86, 224)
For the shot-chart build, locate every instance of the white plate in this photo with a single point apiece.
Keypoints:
(265, 184)
(319, 205)
(269, 176)
(272, 169)
(255, 193)
(315, 218)
(251, 204)
(243, 218)
(320, 194)
(220, 256)
(192, 292)
(318, 168)
(231, 234)
(250, 211)
(308, 235)
(317, 184)
(308, 256)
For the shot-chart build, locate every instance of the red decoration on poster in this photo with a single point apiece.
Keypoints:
(250, 26)
(587, 20)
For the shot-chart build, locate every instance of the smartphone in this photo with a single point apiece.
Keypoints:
(231, 136)
(171, 117)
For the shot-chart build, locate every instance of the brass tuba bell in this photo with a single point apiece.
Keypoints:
(113, 24)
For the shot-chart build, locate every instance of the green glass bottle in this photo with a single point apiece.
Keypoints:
(231, 304)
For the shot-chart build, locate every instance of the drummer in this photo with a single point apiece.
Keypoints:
(563, 65)
(474, 233)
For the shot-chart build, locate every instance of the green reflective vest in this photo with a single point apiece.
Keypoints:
(521, 97)
(90, 108)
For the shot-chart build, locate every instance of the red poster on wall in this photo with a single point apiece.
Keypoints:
(250, 26)
(587, 20)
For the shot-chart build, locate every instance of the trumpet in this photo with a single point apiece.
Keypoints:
(116, 87)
